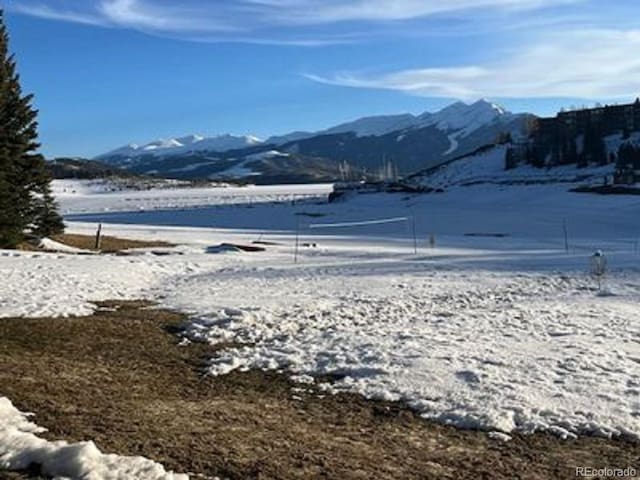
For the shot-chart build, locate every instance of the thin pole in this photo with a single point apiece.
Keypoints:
(415, 238)
(295, 255)
(98, 243)
(566, 235)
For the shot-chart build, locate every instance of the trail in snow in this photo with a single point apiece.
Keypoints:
(453, 141)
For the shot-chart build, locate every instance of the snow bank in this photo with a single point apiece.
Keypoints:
(21, 447)
(53, 246)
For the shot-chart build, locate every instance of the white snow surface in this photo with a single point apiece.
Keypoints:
(375, 126)
(20, 446)
(453, 143)
(503, 333)
(464, 118)
(186, 144)
(488, 168)
(70, 188)
(614, 142)
(53, 246)
(243, 169)
(459, 117)
(86, 197)
(266, 155)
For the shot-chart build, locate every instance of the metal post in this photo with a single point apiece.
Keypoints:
(415, 238)
(295, 255)
(98, 243)
(566, 235)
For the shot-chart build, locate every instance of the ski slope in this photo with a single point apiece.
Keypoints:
(488, 168)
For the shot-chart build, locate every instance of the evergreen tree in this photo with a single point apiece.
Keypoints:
(595, 150)
(572, 152)
(511, 160)
(557, 154)
(537, 157)
(504, 138)
(626, 134)
(26, 202)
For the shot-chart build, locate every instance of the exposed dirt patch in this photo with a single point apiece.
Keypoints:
(119, 377)
(107, 244)
(88, 242)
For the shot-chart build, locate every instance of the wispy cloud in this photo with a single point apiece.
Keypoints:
(553, 48)
(59, 14)
(311, 12)
(304, 22)
(162, 17)
(588, 64)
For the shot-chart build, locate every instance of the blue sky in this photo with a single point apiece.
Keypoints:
(110, 72)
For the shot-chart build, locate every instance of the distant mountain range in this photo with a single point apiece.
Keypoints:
(400, 143)
(184, 145)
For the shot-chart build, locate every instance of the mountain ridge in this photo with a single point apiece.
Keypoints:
(410, 142)
(453, 115)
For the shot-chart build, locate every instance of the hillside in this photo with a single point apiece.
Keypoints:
(488, 167)
(83, 169)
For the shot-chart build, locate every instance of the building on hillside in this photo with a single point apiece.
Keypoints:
(577, 136)
(608, 119)
(605, 120)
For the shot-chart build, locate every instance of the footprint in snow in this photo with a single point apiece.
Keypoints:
(468, 376)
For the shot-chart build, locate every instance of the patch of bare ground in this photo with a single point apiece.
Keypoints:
(107, 244)
(88, 242)
(120, 378)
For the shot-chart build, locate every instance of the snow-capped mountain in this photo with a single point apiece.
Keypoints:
(410, 142)
(466, 118)
(376, 126)
(184, 145)
(457, 116)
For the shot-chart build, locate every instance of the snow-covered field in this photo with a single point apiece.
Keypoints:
(497, 327)
(90, 196)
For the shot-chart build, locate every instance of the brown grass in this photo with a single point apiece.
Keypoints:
(88, 242)
(108, 244)
(118, 377)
